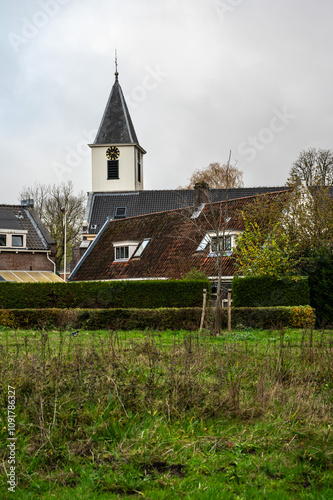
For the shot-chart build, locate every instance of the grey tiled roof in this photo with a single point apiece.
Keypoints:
(116, 126)
(104, 205)
(18, 217)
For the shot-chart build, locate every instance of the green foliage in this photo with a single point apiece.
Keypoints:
(195, 274)
(266, 291)
(273, 317)
(101, 294)
(260, 255)
(95, 319)
(159, 319)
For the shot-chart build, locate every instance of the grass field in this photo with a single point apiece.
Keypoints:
(168, 415)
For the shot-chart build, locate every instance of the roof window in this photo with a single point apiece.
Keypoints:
(120, 212)
(141, 248)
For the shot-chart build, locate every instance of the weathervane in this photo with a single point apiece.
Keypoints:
(116, 63)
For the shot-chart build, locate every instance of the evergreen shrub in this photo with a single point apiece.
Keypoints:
(264, 291)
(158, 318)
(103, 294)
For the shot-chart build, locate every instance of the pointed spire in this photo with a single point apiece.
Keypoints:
(116, 126)
(116, 64)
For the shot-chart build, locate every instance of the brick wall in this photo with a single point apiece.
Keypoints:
(25, 261)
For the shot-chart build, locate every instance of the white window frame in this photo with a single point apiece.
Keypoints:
(9, 239)
(131, 245)
(208, 242)
(141, 248)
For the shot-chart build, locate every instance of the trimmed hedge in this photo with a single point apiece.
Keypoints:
(158, 319)
(274, 317)
(103, 294)
(264, 291)
(96, 319)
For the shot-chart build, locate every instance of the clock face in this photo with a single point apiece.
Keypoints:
(112, 153)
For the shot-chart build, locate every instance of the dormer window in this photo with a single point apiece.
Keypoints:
(9, 239)
(122, 253)
(220, 244)
(17, 240)
(123, 250)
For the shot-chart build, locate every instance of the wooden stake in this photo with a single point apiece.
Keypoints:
(203, 309)
(229, 311)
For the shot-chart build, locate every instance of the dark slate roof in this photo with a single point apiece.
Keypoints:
(104, 205)
(172, 249)
(17, 217)
(116, 126)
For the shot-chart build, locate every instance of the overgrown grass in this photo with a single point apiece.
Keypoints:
(169, 415)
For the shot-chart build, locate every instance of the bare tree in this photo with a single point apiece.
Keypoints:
(217, 176)
(314, 166)
(51, 202)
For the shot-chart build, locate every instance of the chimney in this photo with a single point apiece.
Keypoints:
(201, 194)
(27, 203)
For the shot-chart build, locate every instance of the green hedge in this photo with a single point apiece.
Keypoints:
(95, 319)
(158, 319)
(273, 317)
(263, 291)
(103, 294)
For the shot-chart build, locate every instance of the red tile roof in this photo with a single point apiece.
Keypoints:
(171, 252)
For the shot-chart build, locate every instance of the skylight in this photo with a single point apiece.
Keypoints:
(139, 251)
(120, 212)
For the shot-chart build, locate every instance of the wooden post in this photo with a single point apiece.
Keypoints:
(229, 311)
(203, 309)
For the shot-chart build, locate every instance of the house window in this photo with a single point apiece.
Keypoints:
(2, 240)
(122, 253)
(120, 213)
(17, 241)
(139, 251)
(113, 169)
(221, 244)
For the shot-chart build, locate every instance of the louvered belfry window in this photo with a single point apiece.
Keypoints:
(113, 169)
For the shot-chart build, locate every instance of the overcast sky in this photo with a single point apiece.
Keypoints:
(201, 78)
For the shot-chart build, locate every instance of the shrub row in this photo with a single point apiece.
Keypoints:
(102, 294)
(264, 291)
(159, 319)
(274, 317)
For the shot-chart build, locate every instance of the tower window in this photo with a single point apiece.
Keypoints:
(139, 167)
(113, 169)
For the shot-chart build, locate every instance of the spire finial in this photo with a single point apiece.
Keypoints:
(116, 64)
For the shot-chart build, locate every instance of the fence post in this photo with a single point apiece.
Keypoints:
(229, 311)
(203, 309)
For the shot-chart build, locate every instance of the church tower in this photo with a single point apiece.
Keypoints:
(117, 157)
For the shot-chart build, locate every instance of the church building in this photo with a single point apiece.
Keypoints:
(118, 177)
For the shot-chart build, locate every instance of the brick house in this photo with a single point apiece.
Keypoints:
(26, 248)
(166, 244)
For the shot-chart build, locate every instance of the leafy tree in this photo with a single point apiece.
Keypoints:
(259, 254)
(217, 175)
(314, 166)
(51, 202)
